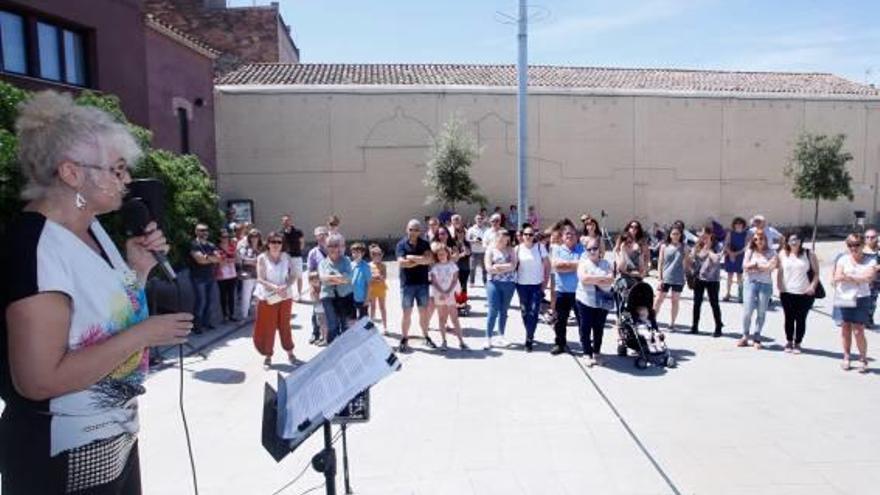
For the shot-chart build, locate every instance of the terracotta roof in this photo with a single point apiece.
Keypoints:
(181, 37)
(544, 76)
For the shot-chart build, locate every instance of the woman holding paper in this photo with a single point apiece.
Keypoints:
(274, 303)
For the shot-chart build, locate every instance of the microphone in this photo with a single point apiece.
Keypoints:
(137, 213)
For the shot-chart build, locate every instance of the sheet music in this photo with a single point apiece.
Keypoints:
(356, 360)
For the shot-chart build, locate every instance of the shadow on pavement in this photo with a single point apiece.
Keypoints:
(220, 375)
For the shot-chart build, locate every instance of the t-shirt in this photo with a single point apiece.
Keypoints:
(851, 268)
(475, 236)
(417, 275)
(794, 272)
(566, 282)
(360, 280)
(292, 238)
(530, 270)
(106, 300)
(592, 295)
(341, 267)
(198, 271)
(498, 256)
(763, 259)
(316, 255)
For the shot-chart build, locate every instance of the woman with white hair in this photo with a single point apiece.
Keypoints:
(76, 328)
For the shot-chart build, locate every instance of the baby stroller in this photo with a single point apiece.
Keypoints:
(640, 335)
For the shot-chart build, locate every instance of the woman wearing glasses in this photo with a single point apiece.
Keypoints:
(853, 274)
(274, 300)
(593, 299)
(76, 328)
(532, 273)
(758, 264)
(796, 290)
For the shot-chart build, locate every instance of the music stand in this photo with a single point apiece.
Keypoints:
(340, 374)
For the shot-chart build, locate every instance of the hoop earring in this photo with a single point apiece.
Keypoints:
(79, 201)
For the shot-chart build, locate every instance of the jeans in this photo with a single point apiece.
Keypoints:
(796, 307)
(875, 291)
(498, 295)
(204, 292)
(757, 297)
(591, 320)
(227, 297)
(564, 306)
(478, 260)
(247, 294)
(337, 316)
(701, 286)
(530, 305)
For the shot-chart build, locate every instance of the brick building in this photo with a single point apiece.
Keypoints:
(241, 34)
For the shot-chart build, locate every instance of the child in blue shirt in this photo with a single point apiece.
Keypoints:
(360, 279)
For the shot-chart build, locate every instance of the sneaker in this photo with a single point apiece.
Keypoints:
(403, 346)
(500, 342)
(788, 347)
(796, 349)
(488, 344)
(695, 330)
(430, 343)
(717, 333)
(557, 350)
(597, 360)
(727, 298)
(313, 339)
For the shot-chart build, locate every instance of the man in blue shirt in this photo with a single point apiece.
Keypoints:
(414, 255)
(564, 259)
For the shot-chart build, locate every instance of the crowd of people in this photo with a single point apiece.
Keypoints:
(565, 271)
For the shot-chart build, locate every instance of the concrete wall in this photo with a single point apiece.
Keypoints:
(361, 154)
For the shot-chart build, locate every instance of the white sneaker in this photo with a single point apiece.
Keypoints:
(500, 342)
(488, 344)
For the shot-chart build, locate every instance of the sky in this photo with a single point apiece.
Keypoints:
(841, 37)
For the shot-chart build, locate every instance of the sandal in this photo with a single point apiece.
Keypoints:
(845, 364)
(742, 342)
(864, 367)
(757, 344)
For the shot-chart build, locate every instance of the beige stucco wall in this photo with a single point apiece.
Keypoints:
(361, 153)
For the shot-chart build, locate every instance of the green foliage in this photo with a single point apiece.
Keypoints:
(448, 169)
(190, 196)
(10, 97)
(818, 168)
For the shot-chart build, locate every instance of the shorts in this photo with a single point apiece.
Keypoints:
(376, 290)
(674, 287)
(296, 263)
(417, 294)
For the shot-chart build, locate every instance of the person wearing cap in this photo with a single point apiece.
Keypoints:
(313, 261)
(475, 235)
(413, 254)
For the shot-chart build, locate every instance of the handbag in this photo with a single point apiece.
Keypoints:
(820, 289)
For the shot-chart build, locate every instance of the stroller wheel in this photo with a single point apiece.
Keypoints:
(621, 350)
(670, 362)
(641, 363)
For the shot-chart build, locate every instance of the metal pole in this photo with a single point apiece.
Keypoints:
(345, 461)
(330, 459)
(522, 72)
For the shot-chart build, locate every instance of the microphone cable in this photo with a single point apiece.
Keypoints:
(192, 461)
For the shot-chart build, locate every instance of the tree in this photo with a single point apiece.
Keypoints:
(448, 169)
(190, 196)
(818, 169)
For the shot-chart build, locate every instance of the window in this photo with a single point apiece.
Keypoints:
(12, 43)
(49, 44)
(74, 59)
(32, 47)
(183, 123)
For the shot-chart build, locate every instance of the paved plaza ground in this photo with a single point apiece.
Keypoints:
(727, 420)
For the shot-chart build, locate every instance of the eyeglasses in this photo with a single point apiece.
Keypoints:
(851, 246)
(275, 242)
(120, 170)
(414, 230)
(592, 249)
(528, 234)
